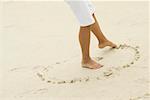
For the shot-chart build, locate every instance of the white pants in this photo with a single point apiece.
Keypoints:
(83, 10)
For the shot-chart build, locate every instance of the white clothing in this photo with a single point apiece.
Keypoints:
(83, 10)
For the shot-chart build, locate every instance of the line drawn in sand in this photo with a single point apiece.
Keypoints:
(108, 72)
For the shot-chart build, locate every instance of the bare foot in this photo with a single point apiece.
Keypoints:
(91, 64)
(107, 43)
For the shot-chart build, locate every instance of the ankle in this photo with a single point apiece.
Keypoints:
(103, 41)
(86, 60)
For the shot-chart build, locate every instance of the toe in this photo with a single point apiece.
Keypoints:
(98, 66)
(114, 46)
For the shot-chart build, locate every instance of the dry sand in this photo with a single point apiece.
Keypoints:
(40, 53)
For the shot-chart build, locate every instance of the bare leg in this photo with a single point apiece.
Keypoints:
(103, 41)
(84, 39)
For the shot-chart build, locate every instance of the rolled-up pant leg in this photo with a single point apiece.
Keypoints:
(83, 10)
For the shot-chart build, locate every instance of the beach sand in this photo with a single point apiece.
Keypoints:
(40, 52)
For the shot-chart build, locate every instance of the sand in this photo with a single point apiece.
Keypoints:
(40, 52)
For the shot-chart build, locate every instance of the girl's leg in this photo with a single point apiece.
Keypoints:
(103, 41)
(84, 39)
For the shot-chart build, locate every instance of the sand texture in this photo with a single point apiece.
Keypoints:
(40, 52)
